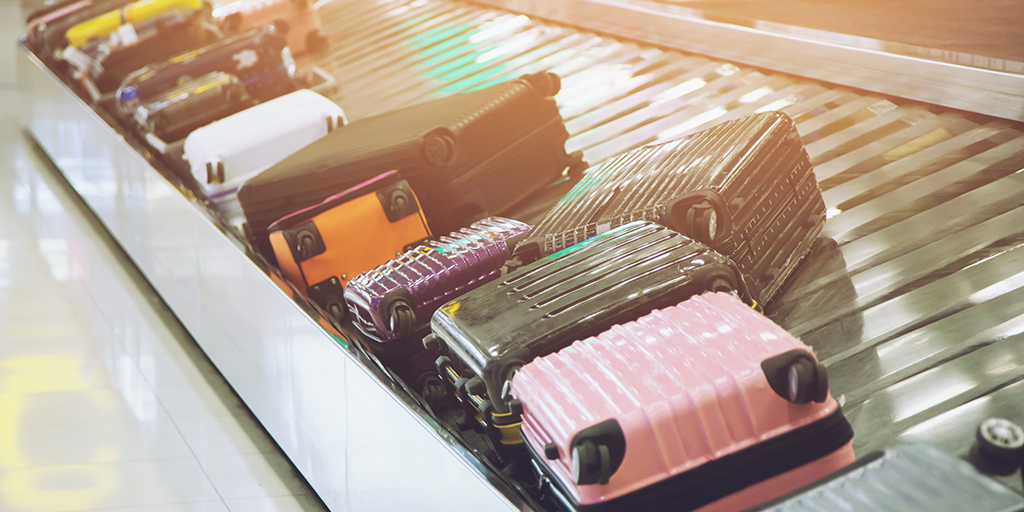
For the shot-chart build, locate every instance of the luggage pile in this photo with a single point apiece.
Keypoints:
(612, 357)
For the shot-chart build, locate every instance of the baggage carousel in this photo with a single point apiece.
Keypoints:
(913, 296)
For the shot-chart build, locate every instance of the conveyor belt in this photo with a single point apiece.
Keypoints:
(914, 296)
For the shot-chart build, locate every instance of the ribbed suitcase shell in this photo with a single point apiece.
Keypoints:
(906, 478)
(252, 140)
(136, 12)
(685, 385)
(171, 41)
(581, 291)
(430, 275)
(468, 152)
(259, 58)
(756, 164)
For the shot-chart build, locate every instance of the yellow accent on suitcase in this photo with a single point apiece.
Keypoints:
(136, 12)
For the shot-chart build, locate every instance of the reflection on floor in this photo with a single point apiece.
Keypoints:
(105, 402)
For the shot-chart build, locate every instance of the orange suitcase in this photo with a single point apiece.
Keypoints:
(321, 247)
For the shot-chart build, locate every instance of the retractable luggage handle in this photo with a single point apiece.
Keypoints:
(687, 215)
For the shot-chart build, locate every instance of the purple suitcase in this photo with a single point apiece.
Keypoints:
(394, 301)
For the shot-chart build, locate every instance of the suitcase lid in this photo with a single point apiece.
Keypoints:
(383, 180)
(685, 385)
(905, 478)
(580, 291)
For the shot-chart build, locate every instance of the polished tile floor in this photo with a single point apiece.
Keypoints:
(106, 403)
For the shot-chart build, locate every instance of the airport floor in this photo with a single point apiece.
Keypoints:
(106, 403)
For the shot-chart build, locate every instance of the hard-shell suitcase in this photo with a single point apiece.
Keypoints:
(612, 278)
(706, 404)
(906, 478)
(395, 300)
(259, 58)
(319, 248)
(116, 21)
(171, 116)
(745, 188)
(297, 19)
(465, 155)
(102, 76)
(224, 154)
(39, 20)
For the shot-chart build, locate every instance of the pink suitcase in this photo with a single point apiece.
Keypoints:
(705, 405)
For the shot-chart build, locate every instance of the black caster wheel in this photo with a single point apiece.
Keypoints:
(1002, 440)
(403, 319)
(591, 464)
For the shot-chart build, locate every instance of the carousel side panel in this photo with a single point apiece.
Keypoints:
(359, 443)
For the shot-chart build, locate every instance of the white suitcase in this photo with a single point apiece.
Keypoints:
(225, 153)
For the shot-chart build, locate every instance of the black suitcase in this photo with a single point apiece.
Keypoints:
(259, 58)
(906, 478)
(745, 188)
(580, 292)
(466, 155)
(172, 40)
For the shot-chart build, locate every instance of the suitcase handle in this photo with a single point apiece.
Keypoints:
(707, 222)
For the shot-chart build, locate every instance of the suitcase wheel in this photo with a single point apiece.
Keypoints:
(703, 222)
(720, 284)
(597, 452)
(335, 309)
(439, 148)
(433, 392)
(403, 319)
(432, 342)
(545, 83)
(1001, 440)
(215, 172)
